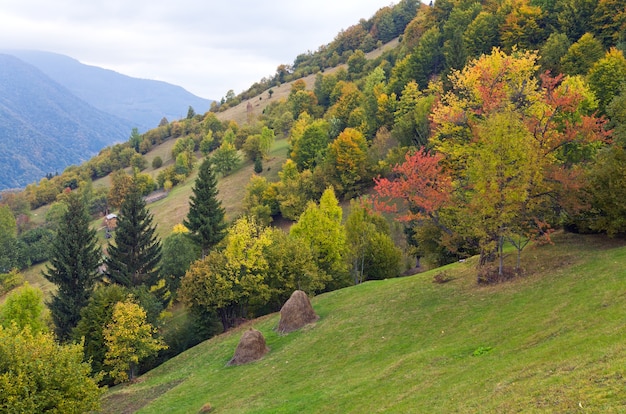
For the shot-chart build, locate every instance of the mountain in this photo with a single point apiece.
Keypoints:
(44, 127)
(143, 102)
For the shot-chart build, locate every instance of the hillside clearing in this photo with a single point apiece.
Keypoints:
(550, 342)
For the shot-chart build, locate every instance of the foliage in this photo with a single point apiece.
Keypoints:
(177, 255)
(607, 76)
(129, 339)
(23, 308)
(371, 251)
(260, 200)
(320, 227)
(134, 258)
(10, 280)
(94, 318)
(348, 163)
(39, 375)
(74, 260)
(225, 159)
(607, 188)
(205, 219)
(581, 55)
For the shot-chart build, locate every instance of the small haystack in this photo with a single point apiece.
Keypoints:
(296, 313)
(251, 348)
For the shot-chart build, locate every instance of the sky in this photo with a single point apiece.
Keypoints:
(207, 47)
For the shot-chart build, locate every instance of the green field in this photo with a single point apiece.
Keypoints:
(551, 341)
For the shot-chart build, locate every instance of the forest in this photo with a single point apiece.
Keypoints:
(491, 125)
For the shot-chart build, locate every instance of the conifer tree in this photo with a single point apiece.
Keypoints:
(74, 261)
(134, 258)
(205, 219)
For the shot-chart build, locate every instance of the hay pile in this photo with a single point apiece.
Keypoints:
(296, 313)
(251, 348)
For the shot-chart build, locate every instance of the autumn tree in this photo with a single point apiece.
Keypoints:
(205, 219)
(129, 339)
(295, 190)
(348, 163)
(232, 280)
(512, 143)
(37, 374)
(74, 261)
(24, 307)
(320, 226)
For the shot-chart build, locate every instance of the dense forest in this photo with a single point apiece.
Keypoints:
(490, 124)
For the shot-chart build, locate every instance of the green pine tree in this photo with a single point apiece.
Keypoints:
(134, 258)
(205, 219)
(74, 260)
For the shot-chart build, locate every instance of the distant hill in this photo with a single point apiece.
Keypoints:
(142, 102)
(44, 127)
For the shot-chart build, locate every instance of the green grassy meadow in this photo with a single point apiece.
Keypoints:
(551, 341)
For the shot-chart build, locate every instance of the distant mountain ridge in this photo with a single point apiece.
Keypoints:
(44, 127)
(143, 102)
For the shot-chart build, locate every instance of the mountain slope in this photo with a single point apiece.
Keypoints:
(141, 101)
(44, 127)
(552, 341)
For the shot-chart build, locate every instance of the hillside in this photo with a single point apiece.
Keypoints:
(44, 127)
(142, 102)
(549, 342)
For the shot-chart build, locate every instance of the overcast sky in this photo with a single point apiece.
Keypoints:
(207, 47)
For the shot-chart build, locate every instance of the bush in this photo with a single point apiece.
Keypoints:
(10, 280)
(157, 162)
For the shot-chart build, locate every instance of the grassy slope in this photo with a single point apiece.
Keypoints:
(406, 345)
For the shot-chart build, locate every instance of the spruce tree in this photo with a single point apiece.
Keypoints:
(133, 259)
(74, 260)
(205, 219)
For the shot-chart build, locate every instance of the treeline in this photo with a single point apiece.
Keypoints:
(387, 24)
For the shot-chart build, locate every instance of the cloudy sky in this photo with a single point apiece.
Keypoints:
(207, 47)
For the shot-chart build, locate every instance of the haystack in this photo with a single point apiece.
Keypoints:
(296, 313)
(251, 348)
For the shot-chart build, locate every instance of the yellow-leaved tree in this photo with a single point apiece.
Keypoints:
(129, 339)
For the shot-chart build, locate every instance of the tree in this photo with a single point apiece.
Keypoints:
(205, 219)
(134, 258)
(24, 307)
(157, 162)
(190, 112)
(511, 146)
(121, 184)
(348, 162)
(178, 254)
(295, 190)
(225, 159)
(94, 318)
(230, 281)
(9, 248)
(129, 339)
(581, 56)
(39, 375)
(320, 227)
(371, 251)
(607, 76)
(74, 261)
(307, 147)
(292, 267)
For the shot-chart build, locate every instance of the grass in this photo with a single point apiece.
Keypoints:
(552, 341)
